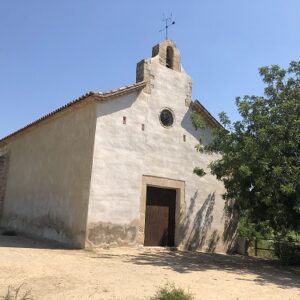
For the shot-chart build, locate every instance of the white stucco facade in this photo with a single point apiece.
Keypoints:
(124, 153)
(80, 175)
(48, 178)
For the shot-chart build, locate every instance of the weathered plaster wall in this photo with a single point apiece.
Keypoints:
(49, 177)
(124, 153)
(4, 163)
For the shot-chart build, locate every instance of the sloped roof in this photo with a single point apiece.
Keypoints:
(196, 105)
(84, 98)
(211, 120)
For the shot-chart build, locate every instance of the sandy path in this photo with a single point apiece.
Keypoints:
(136, 273)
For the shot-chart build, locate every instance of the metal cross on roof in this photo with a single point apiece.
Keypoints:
(168, 22)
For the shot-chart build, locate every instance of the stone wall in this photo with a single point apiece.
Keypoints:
(160, 50)
(143, 68)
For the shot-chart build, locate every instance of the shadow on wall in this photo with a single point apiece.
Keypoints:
(44, 227)
(196, 228)
(230, 226)
(13, 239)
(197, 224)
(187, 124)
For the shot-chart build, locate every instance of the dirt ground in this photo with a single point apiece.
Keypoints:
(53, 273)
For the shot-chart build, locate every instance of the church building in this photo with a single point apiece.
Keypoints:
(116, 168)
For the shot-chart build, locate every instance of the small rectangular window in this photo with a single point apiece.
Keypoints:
(124, 120)
(143, 127)
(184, 138)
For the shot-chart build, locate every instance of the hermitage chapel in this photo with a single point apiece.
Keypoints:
(115, 168)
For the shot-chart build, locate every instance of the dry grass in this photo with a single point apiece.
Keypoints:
(17, 294)
(170, 292)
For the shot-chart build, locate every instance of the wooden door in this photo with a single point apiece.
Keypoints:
(160, 217)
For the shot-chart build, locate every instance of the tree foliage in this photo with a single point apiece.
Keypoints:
(260, 164)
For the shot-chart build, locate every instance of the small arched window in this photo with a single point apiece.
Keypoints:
(170, 57)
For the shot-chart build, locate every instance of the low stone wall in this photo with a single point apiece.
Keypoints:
(4, 160)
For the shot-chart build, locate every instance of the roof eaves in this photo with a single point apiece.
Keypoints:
(121, 91)
(99, 96)
(200, 108)
(47, 116)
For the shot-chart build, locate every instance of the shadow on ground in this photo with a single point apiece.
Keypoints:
(19, 241)
(267, 272)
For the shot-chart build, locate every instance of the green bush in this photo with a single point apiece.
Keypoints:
(170, 292)
(252, 230)
(287, 253)
(284, 246)
(293, 236)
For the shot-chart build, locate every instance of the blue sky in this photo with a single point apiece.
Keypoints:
(52, 52)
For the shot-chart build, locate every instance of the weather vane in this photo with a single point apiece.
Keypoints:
(168, 22)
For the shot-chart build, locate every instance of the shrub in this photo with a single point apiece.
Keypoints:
(287, 253)
(170, 292)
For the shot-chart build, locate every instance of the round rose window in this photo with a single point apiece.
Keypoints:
(166, 117)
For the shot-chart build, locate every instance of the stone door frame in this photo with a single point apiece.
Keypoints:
(161, 182)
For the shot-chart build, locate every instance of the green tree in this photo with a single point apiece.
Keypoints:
(260, 164)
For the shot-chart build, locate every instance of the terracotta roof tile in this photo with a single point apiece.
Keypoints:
(103, 96)
(100, 96)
